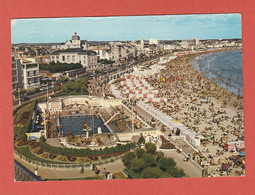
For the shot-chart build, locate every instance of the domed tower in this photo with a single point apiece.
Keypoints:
(76, 40)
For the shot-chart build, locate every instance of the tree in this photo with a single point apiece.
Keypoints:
(151, 172)
(165, 163)
(137, 165)
(64, 79)
(139, 152)
(175, 172)
(127, 158)
(149, 160)
(159, 155)
(141, 140)
(150, 148)
(57, 88)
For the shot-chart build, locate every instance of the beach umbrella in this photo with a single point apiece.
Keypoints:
(225, 167)
(233, 157)
(241, 154)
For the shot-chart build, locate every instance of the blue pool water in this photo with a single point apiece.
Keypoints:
(74, 124)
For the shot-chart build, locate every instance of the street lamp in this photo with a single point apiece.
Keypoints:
(19, 96)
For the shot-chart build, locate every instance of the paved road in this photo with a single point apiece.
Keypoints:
(36, 95)
(189, 168)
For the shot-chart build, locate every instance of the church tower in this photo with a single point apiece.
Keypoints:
(76, 42)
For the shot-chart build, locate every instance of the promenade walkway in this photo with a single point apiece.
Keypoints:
(65, 173)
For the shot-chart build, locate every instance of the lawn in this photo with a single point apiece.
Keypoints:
(16, 130)
(25, 150)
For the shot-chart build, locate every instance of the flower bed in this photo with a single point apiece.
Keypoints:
(71, 158)
(41, 151)
(62, 158)
(24, 143)
(83, 159)
(45, 155)
(92, 157)
(52, 156)
(166, 144)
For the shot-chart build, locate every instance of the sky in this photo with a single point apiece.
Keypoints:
(124, 28)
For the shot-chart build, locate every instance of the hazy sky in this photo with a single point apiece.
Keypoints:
(164, 27)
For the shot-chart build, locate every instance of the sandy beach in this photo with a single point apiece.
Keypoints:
(203, 106)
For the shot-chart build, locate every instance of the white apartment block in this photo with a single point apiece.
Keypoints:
(87, 58)
(102, 52)
(169, 47)
(30, 69)
(153, 41)
(16, 81)
(25, 73)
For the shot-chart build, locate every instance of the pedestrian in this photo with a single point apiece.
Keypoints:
(105, 173)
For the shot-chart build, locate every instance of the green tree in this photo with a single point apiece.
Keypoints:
(165, 163)
(159, 155)
(149, 160)
(137, 165)
(141, 140)
(151, 172)
(127, 158)
(57, 88)
(64, 79)
(175, 172)
(139, 152)
(150, 148)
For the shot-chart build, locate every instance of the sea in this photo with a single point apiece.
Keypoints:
(224, 68)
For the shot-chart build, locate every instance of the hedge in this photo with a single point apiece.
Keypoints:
(84, 152)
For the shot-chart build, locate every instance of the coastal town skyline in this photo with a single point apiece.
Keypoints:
(128, 28)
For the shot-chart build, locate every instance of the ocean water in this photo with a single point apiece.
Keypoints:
(224, 68)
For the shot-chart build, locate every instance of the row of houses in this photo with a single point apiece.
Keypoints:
(195, 44)
(76, 50)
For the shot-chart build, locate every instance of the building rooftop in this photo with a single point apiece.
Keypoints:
(21, 173)
(74, 50)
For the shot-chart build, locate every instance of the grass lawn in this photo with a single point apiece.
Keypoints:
(25, 150)
(16, 130)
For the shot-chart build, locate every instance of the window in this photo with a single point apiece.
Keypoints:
(68, 58)
(63, 58)
(73, 58)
